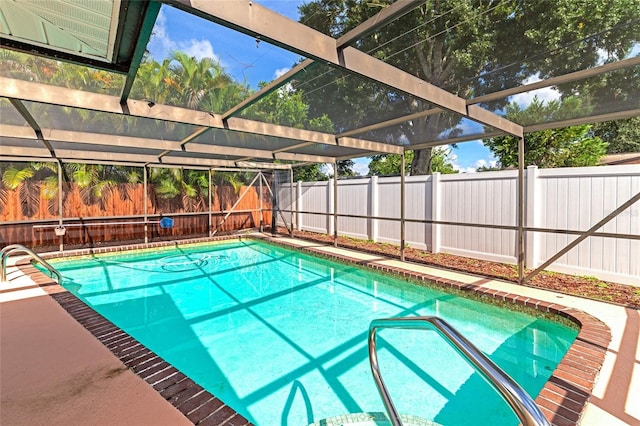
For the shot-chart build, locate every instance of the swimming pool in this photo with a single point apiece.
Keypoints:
(280, 336)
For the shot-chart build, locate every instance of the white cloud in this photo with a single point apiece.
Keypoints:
(198, 49)
(162, 45)
(474, 168)
(463, 169)
(361, 169)
(280, 72)
(545, 94)
(160, 41)
(485, 163)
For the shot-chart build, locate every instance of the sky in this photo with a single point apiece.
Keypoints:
(251, 61)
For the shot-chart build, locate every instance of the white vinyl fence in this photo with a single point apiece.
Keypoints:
(564, 199)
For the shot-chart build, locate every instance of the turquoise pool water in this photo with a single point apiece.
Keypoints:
(281, 336)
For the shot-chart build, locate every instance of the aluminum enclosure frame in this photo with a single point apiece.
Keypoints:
(252, 19)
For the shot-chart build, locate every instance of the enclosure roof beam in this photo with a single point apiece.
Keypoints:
(148, 22)
(357, 143)
(257, 21)
(148, 143)
(102, 139)
(389, 13)
(20, 151)
(485, 116)
(292, 147)
(619, 115)
(15, 131)
(38, 92)
(24, 112)
(291, 156)
(208, 162)
(556, 81)
(372, 68)
(43, 93)
(194, 135)
(266, 90)
(392, 122)
(256, 165)
(237, 166)
(31, 157)
(278, 131)
(110, 157)
(455, 140)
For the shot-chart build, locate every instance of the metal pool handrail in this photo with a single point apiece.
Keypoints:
(519, 401)
(19, 248)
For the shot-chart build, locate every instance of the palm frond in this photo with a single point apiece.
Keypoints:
(50, 188)
(4, 196)
(14, 177)
(29, 198)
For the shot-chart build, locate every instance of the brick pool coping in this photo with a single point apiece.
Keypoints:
(562, 399)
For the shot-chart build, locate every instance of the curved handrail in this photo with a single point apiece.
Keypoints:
(519, 401)
(19, 248)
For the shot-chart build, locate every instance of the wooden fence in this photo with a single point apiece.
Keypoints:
(118, 216)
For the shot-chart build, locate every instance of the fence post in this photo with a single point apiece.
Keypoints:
(533, 209)
(374, 208)
(60, 201)
(300, 205)
(331, 207)
(435, 212)
(145, 189)
(261, 204)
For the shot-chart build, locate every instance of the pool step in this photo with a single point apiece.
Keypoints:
(372, 419)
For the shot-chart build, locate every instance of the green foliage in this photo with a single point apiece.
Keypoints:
(389, 164)
(345, 168)
(621, 135)
(287, 107)
(185, 81)
(310, 173)
(440, 161)
(13, 177)
(24, 178)
(471, 48)
(568, 147)
(50, 188)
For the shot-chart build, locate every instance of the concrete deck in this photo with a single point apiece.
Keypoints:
(53, 371)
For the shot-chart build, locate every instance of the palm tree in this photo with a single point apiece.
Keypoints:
(25, 178)
(173, 188)
(203, 84)
(26, 67)
(154, 82)
(85, 78)
(98, 182)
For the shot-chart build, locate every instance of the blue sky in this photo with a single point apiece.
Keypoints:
(250, 61)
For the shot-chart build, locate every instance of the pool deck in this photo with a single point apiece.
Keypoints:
(54, 371)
